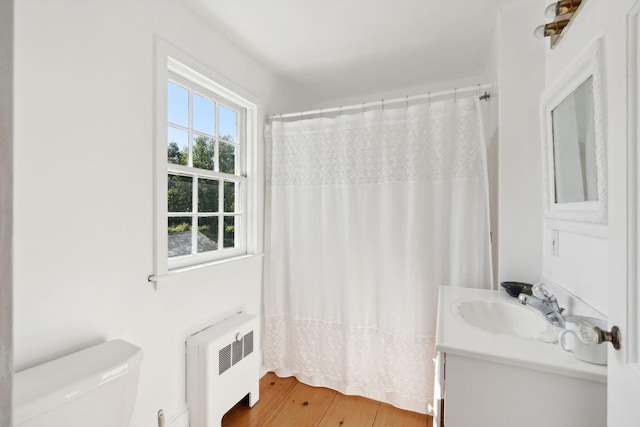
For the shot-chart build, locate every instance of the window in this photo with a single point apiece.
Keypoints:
(202, 185)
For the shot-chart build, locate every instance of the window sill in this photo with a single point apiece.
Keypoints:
(158, 280)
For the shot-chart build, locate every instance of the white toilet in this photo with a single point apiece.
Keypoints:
(94, 387)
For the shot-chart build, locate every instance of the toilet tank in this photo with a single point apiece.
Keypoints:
(94, 387)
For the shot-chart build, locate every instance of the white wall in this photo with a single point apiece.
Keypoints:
(6, 209)
(581, 267)
(521, 79)
(527, 65)
(83, 188)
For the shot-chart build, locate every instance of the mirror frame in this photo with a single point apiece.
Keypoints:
(589, 64)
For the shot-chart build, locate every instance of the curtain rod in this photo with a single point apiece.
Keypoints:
(383, 102)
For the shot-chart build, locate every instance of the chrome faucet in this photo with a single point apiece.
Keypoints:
(546, 303)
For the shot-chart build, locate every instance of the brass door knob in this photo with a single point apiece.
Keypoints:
(605, 336)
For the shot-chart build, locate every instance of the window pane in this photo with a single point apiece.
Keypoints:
(178, 146)
(207, 234)
(230, 231)
(178, 105)
(179, 230)
(228, 124)
(208, 195)
(229, 196)
(227, 158)
(204, 115)
(180, 193)
(203, 152)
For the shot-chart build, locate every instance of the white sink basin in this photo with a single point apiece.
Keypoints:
(500, 317)
(491, 326)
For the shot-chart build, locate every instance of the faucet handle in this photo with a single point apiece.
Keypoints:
(541, 291)
(586, 333)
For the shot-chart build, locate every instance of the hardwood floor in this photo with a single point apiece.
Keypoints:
(285, 402)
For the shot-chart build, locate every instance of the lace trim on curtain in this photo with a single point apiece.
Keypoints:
(352, 360)
(356, 151)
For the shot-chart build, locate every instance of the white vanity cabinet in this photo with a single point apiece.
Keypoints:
(496, 380)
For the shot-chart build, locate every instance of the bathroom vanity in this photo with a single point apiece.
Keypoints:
(493, 369)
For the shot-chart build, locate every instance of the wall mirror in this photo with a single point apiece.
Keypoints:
(574, 151)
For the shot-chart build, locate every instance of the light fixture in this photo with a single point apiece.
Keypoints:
(562, 13)
(550, 29)
(562, 7)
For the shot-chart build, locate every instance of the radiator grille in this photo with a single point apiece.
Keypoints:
(248, 344)
(224, 359)
(234, 352)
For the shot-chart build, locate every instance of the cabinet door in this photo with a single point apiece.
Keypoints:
(483, 393)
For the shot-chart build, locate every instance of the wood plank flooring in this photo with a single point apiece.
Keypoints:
(285, 402)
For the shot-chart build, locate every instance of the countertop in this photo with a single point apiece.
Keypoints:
(455, 336)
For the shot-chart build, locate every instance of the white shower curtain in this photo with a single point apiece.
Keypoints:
(367, 215)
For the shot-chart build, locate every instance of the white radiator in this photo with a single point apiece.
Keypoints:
(222, 368)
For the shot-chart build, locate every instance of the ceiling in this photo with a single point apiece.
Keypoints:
(340, 48)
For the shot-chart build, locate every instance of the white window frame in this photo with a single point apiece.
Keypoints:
(195, 174)
(173, 65)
